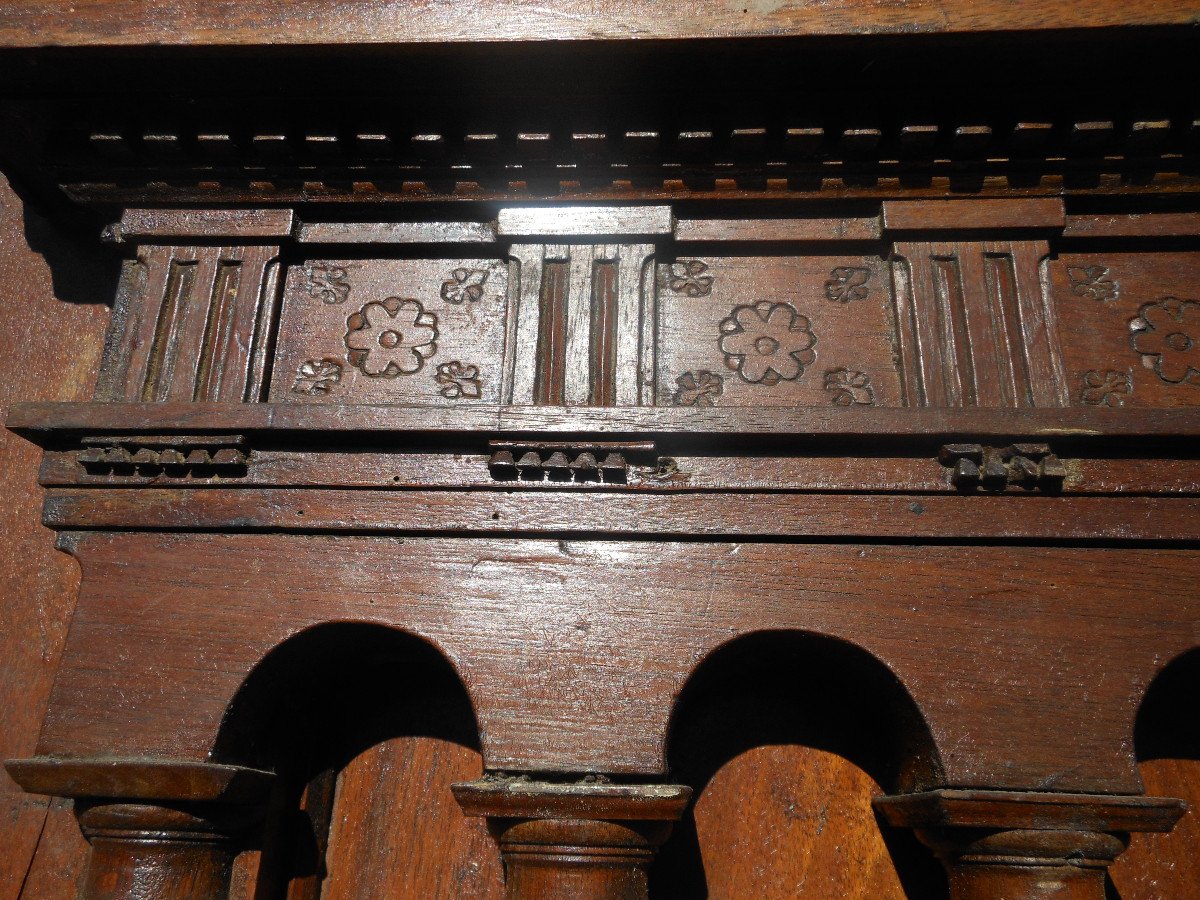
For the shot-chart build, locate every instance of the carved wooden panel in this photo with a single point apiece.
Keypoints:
(191, 323)
(973, 325)
(584, 325)
(775, 331)
(392, 331)
(605, 456)
(1132, 327)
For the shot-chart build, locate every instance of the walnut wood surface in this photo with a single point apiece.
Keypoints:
(549, 726)
(39, 584)
(104, 22)
(441, 438)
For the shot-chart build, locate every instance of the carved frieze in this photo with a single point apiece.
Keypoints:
(763, 324)
(411, 331)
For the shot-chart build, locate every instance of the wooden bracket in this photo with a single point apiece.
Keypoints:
(1031, 466)
(606, 461)
(176, 456)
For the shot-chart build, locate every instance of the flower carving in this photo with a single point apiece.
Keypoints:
(1167, 335)
(1107, 388)
(458, 380)
(317, 376)
(849, 388)
(328, 283)
(698, 388)
(391, 337)
(846, 283)
(687, 277)
(767, 343)
(1093, 282)
(465, 285)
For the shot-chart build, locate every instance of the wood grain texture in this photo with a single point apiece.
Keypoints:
(1101, 300)
(1164, 865)
(108, 23)
(929, 426)
(667, 515)
(50, 351)
(397, 832)
(783, 821)
(553, 685)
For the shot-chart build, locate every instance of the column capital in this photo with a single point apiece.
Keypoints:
(1027, 843)
(584, 839)
(1034, 810)
(157, 828)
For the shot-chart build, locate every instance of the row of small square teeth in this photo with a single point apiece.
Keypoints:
(557, 466)
(144, 456)
(1146, 136)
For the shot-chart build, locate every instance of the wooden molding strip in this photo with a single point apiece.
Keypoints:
(140, 779)
(1034, 213)
(1185, 224)
(397, 233)
(1033, 809)
(798, 230)
(173, 224)
(929, 424)
(671, 514)
(51, 23)
(585, 221)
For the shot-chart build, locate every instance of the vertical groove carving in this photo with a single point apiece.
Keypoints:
(160, 366)
(550, 381)
(1012, 377)
(958, 379)
(908, 358)
(603, 334)
(583, 333)
(216, 330)
(193, 323)
(974, 327)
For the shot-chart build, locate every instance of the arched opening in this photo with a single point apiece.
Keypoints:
(785, 737)
(1166, 740)
(367, 727)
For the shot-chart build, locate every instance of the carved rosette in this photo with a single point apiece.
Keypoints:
(389, 338)
(1167, 335)
(767, 343)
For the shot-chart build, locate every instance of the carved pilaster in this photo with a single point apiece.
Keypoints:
(191, 320)
(584, 326)
(974, 324)
(575, 840)
(1027, 844)
(162, 829)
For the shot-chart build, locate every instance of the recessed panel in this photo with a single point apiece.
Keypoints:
(775, 331)
(392, 331)
(1130, 327)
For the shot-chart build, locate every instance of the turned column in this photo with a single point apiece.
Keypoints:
(1020, 845)
(584, 840)
(162, 829)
